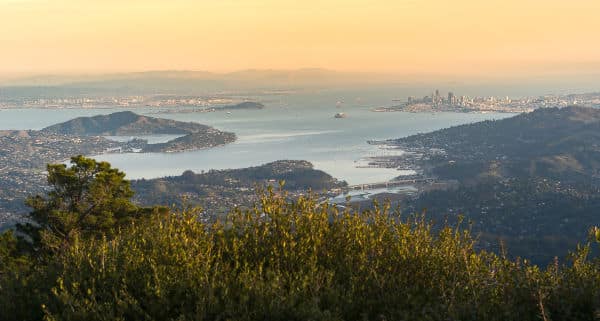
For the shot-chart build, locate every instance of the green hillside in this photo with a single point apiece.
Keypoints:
(530, 183)
(91, 254)
(124, 123)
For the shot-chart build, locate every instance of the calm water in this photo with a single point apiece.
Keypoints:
(299, 126)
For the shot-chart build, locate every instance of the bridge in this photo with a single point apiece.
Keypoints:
(387, 184)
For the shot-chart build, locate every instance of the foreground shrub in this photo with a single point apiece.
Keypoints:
(295, 260)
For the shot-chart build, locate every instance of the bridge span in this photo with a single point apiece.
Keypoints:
(392, 183)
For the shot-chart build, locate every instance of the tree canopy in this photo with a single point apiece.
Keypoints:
(283, 259)
(88, 197)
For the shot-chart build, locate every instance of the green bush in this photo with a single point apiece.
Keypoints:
(299, 260)
(282, 260)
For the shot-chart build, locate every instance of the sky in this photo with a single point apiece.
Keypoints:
(399, 36)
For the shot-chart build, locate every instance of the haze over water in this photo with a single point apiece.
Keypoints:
(296, 126)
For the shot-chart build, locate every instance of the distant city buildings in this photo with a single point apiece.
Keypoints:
(453, 103)
(115, 102)
(436, 101)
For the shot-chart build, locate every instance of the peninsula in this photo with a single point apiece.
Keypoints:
(124, 123)
(25, 153)
(127, 123)
(244, 105)
(532, 180)
(217, 191)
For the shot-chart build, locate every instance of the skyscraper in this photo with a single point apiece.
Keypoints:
(451, 98)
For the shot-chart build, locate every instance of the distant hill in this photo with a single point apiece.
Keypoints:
(204, 139)
(124, 123)
(243, 105)
(558, 143)
(24, 154)
(183, 82)
(219, 190)
(532, 180)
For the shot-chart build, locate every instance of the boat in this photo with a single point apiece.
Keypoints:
(340, 115)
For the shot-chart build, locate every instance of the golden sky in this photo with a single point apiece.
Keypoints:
(408, 36)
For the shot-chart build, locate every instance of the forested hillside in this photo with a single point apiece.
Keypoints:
(530, 183)
(91, 254)
(219, 191)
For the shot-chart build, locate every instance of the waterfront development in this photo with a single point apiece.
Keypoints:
(298, 128)
(272, 160)
(294, 127)
(354, 150)
(437, 102)
(488, 160)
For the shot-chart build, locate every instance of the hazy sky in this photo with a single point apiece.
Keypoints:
(422, 36)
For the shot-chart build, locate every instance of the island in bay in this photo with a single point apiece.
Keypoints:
(127, 123)
(25, 153)
(529, 182)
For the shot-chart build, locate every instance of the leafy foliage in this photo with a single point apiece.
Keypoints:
(89, 197)
(289, 260)
(217, 191)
